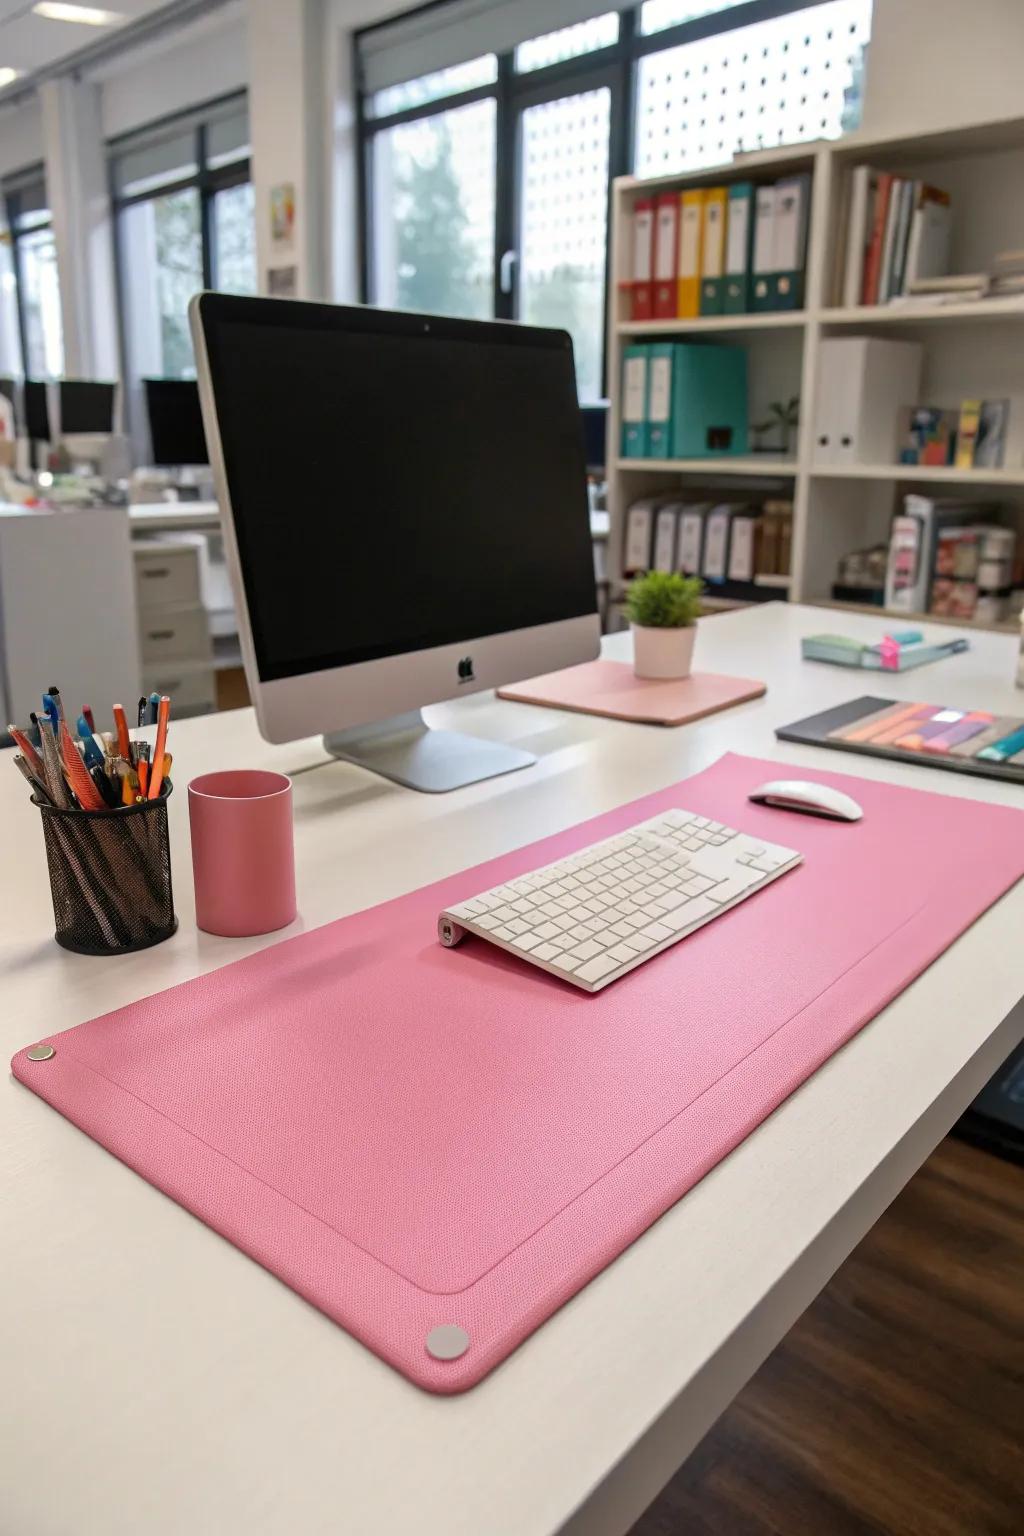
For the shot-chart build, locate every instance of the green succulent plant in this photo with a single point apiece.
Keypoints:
(660, 600)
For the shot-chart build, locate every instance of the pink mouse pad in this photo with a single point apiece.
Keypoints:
(612, 688)
(415, 1138)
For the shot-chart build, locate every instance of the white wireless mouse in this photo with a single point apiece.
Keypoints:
(814, 799)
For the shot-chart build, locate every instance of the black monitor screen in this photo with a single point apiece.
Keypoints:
(86, 405)
(37, 412)
(176, 422)
(397, 482)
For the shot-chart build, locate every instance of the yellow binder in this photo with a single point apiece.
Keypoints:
(691, 234)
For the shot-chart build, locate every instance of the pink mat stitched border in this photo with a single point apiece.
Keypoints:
(409, 1136)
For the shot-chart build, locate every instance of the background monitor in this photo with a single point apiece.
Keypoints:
(175, 422)
(595, 430)
(405, 506)
(86, 406)
(37, 411)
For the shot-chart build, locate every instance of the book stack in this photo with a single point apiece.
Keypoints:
(897, 235)
(719, 250)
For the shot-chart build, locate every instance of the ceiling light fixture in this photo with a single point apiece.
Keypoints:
(86, 15)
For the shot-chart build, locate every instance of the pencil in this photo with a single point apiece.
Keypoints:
(124, 741)
(85, 791)
(156, 773)
(59, 793)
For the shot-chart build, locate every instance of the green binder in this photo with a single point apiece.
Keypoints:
(739, 242)
(635, 396)
(659, 399)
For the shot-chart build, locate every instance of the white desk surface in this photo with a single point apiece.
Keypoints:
(154, 1381)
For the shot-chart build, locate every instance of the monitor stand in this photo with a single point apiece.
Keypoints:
(405, 749)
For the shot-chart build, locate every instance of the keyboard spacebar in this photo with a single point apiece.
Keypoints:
(690, 912)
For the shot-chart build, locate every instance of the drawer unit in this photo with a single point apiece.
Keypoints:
(190, 692)
(166, 573)
(181, 634)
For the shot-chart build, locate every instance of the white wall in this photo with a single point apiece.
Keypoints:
(206, 60)
(21, 136)
(943, 63)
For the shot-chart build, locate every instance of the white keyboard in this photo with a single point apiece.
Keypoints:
(601, 912)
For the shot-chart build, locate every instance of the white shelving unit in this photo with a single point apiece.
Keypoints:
(972, 348)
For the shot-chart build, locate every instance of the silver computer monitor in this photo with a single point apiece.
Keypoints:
(405, 514)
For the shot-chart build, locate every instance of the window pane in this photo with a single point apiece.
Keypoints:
(40, 302)
(777, 82)
(433, 196)
(10, 336)
(568, 43)
(162, 265)
(160, 163)
(563, 211)
(444, 82)
(656, 15)
(234, 240)
(227, 139)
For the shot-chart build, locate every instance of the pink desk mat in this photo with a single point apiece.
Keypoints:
(611, 688)
(411, 1136)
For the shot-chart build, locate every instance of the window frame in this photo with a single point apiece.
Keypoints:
(14, 191)
(616, 65)
(206, 179)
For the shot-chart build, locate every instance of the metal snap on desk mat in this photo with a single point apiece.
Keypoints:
(438, 1147)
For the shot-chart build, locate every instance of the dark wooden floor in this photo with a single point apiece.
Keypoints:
(895, 1407)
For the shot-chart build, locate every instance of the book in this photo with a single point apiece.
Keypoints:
(967, 433)
(908, 195)
(931, 227)
(666, 245)
(990, 444)
(739, 230)
(712, 261)
(642, 291)
(863, 180)
(873, 259)
(889, 241)
(691, 226)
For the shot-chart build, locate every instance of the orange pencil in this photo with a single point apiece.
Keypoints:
(156, 773)
(143, 773)
(77, 774)
(124, 741)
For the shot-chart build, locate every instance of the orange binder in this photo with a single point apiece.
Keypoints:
(691, 234)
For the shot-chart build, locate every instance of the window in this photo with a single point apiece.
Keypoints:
(185, 221)
(490, 129)
(34, 273)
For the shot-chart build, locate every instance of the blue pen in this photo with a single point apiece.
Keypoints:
(52, 712)
(154, 708)
(93, 751)
(999, 751)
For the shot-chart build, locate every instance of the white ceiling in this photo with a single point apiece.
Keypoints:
(29, 42)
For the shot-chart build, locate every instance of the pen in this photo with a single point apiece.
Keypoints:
(32, 757)
(999, 751)
(38, 786)
(87, 717)
(157, 771)
(124, 742)
(93, 750)
(85, 791)
(33, 733)
(142, 767)
(111, 797)
(55, 784)
(143, 707)
(154, 708)
(51, 710)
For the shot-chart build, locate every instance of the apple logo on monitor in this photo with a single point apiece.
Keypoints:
(466, 670)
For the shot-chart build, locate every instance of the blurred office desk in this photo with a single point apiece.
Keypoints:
(156, 1382)
(159, 516)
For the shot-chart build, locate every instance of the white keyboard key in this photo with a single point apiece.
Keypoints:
(657, 932)
(565, 963)
(691, 912)
(742, 880)
(593, 970)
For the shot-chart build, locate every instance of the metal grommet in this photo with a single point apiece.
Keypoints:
(447, 1342)
(40, 1052)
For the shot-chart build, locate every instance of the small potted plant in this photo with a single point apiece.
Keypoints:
(663, 609)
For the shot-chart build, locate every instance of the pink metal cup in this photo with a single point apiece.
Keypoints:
(243, 851)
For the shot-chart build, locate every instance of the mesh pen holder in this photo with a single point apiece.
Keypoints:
(110, 876)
